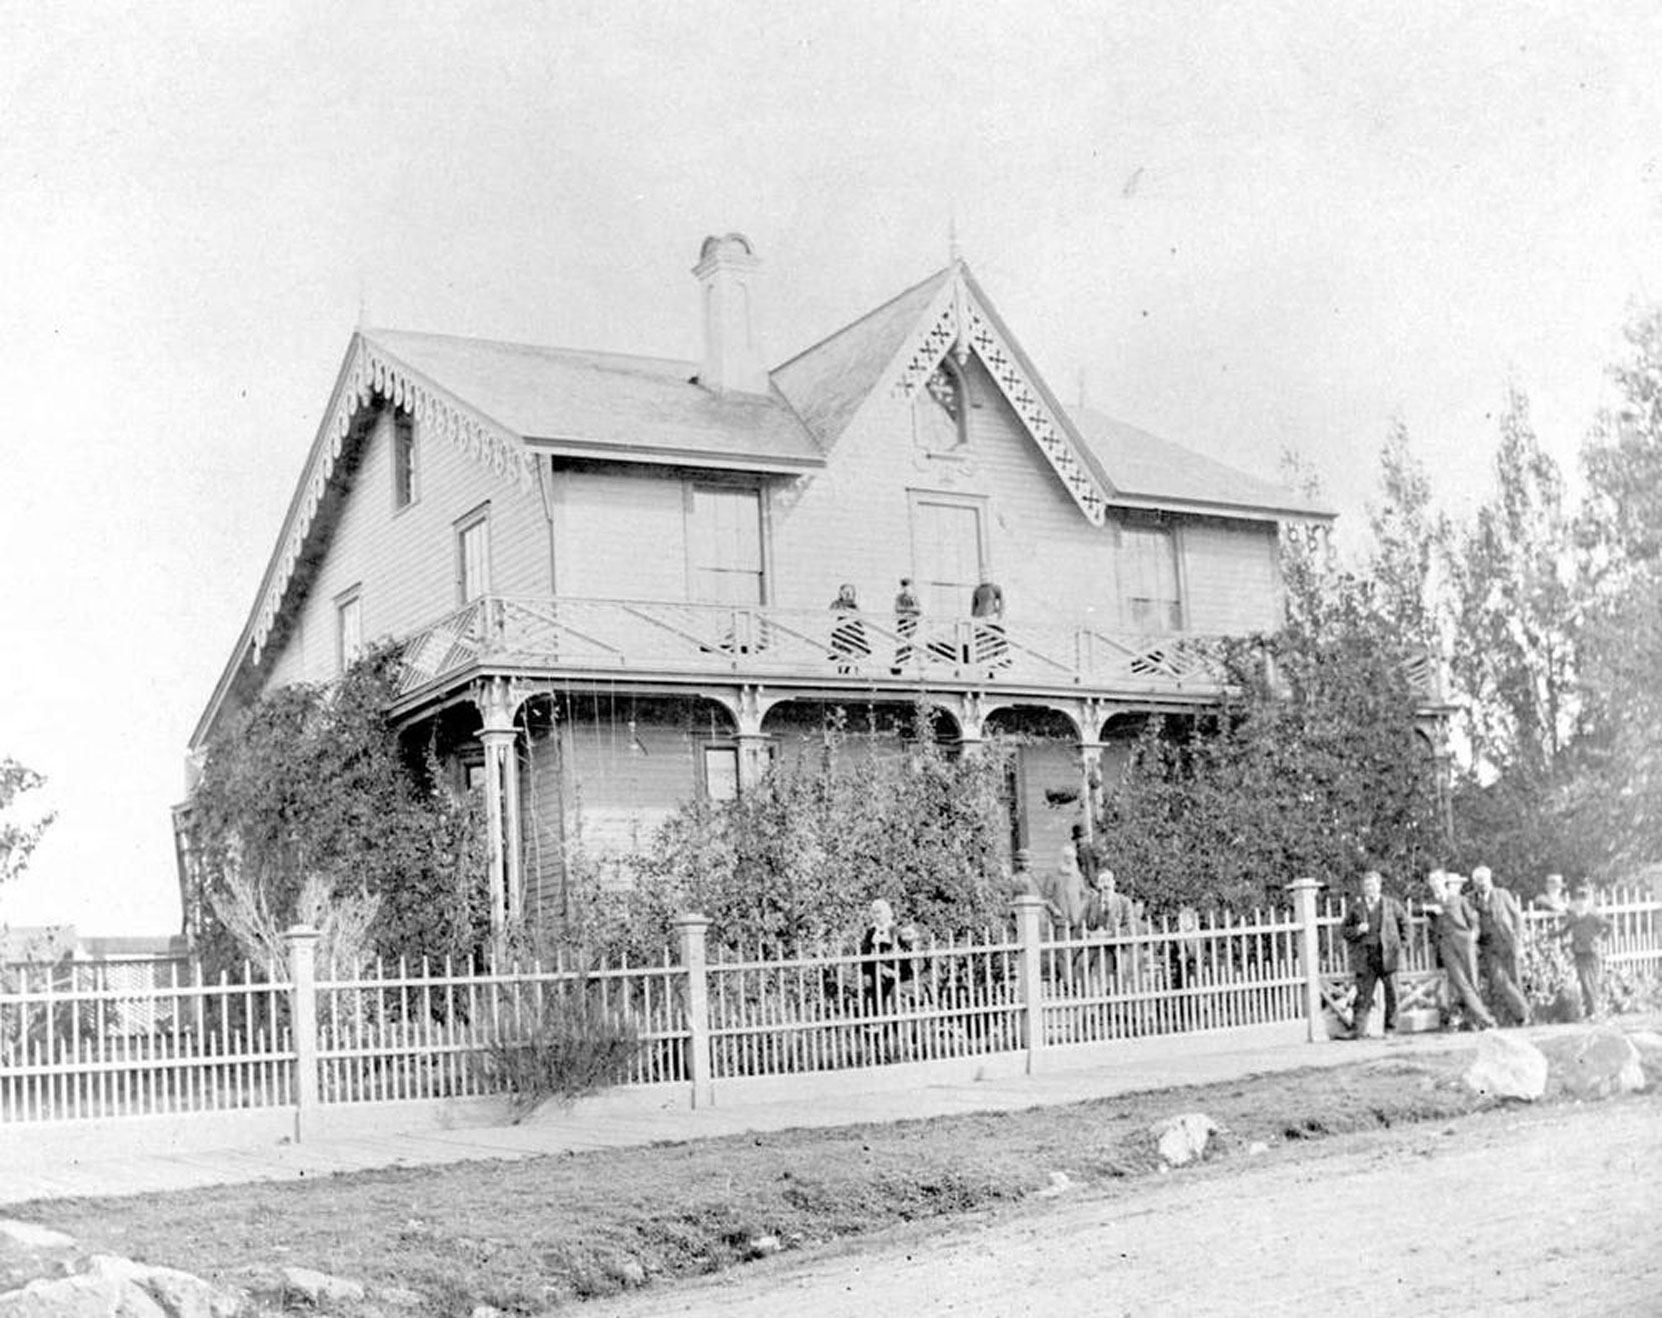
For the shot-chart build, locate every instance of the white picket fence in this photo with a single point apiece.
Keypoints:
(76, 1045)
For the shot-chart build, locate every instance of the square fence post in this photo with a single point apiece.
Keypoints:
(1304, 902)
(690, 931)
(302, 943)
(1030, 911)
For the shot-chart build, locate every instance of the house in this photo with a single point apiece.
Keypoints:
(611, 575)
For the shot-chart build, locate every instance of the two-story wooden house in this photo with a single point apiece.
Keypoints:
(613, 575)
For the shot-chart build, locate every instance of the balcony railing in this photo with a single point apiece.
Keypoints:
(645, 638)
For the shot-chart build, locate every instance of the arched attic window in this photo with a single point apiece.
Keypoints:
(940, 410)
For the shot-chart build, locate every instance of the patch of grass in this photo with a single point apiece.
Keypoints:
(533, 1235)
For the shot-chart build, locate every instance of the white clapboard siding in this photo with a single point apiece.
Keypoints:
(1231, 576)
(620, 535)
(404, 561)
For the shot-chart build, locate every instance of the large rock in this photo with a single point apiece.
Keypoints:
(1507, 1066)
(1183, 1138)
(44, 1274)
(31, 1253)
(1605, 1063)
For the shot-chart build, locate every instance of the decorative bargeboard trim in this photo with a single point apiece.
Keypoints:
(371, 373)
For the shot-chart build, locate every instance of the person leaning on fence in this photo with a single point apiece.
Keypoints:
(1500, 934)
(1553, 897)
(990, 646)
(849, 647)
(886, 959)
(907, 610)
(1585, 930)
(1453, 935)
(1376, 927)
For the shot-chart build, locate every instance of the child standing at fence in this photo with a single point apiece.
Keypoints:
(1585, 929)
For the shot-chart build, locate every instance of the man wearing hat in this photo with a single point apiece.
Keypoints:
(1376, 927)
(1500, 931)
(1453, 932)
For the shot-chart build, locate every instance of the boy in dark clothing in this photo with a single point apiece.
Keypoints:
(1585, 930)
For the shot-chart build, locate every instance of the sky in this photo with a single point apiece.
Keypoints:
(1246, 227)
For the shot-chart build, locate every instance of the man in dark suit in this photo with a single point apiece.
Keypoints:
(1376, 927)
(1500, 935)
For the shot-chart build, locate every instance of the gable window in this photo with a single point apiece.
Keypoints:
(349, 628)
(473, 550)
(940, 415)
(724, 545)
(403, 460)
(1153, 598)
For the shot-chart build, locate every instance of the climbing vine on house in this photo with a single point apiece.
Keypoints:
(312, 790)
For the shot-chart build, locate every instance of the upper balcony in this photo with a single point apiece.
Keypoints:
(681, 643)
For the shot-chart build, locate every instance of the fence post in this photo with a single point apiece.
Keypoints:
(302, 943)
(1030, 910)
(690, 929)
(1309, 957)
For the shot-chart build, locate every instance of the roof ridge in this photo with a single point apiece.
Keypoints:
(859, 320)
(590, 356)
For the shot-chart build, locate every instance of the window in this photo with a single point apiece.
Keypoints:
(940, 419)
(349, 628)
(724, 545)
(1149, 562)
(473, 549)
(721, 771)
(403, 460)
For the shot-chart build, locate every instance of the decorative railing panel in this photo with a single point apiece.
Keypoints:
(667, 637)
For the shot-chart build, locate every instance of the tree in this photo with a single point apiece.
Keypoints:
(1408, 563)
(1314, 766)
(311, 795)
(1617, 795)
(1515, 659)
(18, 840)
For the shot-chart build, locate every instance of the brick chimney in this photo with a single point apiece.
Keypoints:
(727, 271)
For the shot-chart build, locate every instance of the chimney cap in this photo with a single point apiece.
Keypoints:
(724, 244)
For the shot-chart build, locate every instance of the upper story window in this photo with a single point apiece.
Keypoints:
(473, 553)
(940, 411)
(349, 627)
(1153, 596)
(404, 489)
(724, 545)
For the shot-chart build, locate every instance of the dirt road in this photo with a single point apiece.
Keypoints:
(1516, 1212)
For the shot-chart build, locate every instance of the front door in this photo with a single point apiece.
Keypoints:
(947, 554)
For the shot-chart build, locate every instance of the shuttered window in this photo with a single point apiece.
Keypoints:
(1148, 558)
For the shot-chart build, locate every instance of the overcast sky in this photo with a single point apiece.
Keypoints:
(1246, 227)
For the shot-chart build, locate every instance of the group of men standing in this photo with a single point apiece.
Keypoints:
(1479, 941)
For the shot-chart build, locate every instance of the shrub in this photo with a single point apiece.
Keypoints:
(576, 1046)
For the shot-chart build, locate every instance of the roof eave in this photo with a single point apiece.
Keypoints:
(656, 455)
(1125, 499)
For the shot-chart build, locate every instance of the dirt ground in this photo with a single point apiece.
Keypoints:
(1514, 1211)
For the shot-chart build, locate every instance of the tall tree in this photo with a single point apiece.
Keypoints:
(1515, 657)
(1408, 563)
(1619, 796)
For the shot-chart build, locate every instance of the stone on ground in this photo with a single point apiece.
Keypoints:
(1606, 1063)
(1183, 1138)
(44, 1274)
(1507, 1066)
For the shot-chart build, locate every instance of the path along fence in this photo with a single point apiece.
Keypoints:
(309, 1050)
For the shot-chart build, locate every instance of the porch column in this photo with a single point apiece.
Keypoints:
(1090, 783)
(500, 739)
(753, 743)
(972, 722)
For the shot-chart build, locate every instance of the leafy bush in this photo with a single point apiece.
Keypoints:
(313, 784)
(576, 1046)
(799, 856)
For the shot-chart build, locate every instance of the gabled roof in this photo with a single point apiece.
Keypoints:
(1149, 472)
(595, 404)
(828, 382)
